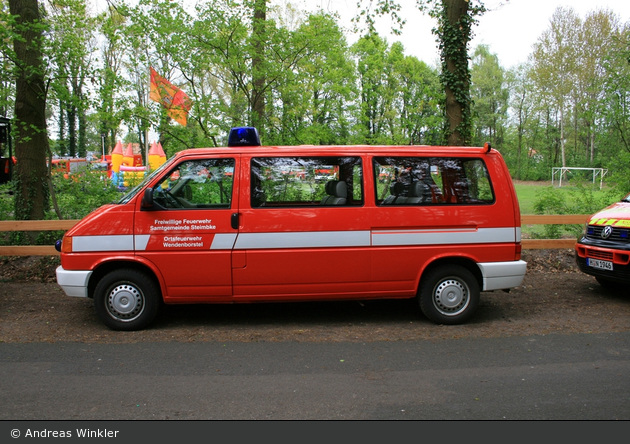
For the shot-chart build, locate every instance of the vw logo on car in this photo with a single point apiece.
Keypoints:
(606, 232)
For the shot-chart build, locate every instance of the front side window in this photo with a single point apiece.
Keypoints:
(306, 181)
(197, 184)
(431, 180)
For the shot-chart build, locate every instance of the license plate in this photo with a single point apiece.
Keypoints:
(602, 265)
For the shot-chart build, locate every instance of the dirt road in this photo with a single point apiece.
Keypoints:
(554, 298)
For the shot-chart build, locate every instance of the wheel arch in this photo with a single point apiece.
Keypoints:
(107, 267)
(462, 261)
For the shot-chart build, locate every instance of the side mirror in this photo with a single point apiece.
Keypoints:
(147, 199)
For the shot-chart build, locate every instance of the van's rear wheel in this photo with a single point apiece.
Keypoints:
(449, 294)
(126, 299)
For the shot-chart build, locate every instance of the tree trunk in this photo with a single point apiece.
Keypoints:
(61, 137)
(564, 161)
(258, 59)
(519, 147)
(82, 136)
(72, 129)
(457, 80)
(31, 141)
(79, 116)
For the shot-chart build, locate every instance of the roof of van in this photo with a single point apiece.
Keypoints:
(341, 149)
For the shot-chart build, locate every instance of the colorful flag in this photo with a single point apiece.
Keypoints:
(176, 102)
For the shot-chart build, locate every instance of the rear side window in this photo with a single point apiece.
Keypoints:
(306, 181)
(431, 180)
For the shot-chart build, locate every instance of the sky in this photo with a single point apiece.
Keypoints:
(510, 28)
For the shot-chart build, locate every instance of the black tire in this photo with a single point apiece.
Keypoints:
(127, 299)
(610, 285)
(448, 294)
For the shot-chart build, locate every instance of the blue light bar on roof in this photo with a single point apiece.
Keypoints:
(244, 136)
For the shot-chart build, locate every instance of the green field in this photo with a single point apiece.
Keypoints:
(527, 193)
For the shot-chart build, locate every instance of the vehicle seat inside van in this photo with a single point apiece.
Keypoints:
(337, 193)
(395, 191)
(418, 192)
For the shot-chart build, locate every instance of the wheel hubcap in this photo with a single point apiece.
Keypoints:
(125, 302)
(451, 297)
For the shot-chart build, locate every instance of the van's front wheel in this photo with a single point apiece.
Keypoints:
(609, 285)
(449, 294)
(126, 299)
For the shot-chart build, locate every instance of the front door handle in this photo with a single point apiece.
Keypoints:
(234, 221)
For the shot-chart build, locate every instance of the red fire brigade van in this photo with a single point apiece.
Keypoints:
(228, 225)
(69, 165)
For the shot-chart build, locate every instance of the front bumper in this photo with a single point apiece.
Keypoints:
(620, 260)
(73, 282)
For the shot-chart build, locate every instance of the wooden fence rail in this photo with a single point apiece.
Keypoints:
(49, 250)
(551, 219)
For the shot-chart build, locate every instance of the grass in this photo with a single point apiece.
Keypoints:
(527, 193)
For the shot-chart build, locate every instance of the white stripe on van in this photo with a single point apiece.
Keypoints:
(442, 236)
(306, 239)
(314, 239)
(102, 243)
(223, 241)
(141, 241)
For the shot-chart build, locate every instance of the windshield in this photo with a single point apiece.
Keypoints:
(131, 194)
(626, 199)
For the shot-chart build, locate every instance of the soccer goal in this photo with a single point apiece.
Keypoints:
(559, 173)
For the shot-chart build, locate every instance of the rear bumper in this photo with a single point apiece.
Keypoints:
(502, 275)
(73, 282)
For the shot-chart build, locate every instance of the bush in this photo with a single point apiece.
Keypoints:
(77, 196)
(581, 199)
(7, 210)
(82, 192)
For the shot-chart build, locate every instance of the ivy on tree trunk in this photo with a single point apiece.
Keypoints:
(454, 31)
(455, 19)
(258, 62)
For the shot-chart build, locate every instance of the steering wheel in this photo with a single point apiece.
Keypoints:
(171, 201)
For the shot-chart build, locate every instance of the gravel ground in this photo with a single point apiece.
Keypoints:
(555, 298)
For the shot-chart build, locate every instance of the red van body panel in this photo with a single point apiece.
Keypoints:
(182, 244)
(104, 235)
(240, 251)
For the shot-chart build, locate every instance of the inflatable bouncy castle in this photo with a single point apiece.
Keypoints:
(126, 169)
